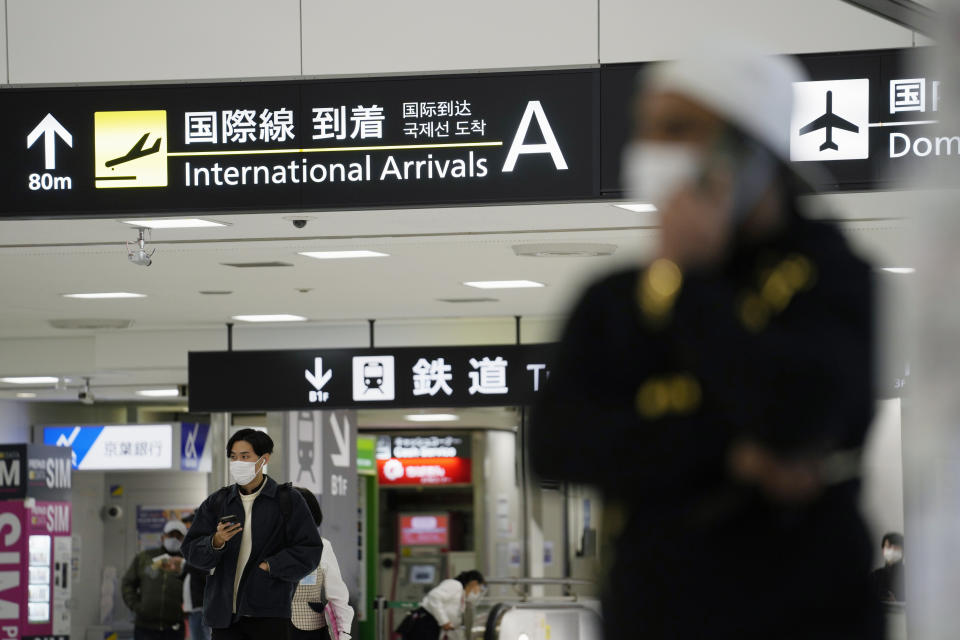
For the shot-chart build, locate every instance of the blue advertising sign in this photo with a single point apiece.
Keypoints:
(194, 452)
(115, 447)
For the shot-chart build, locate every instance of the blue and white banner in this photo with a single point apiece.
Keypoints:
(120, 447)
(194, 452)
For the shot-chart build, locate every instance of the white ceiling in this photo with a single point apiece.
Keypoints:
(432, 252)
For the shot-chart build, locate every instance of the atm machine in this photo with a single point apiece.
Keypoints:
(424, 539)
(35, 545)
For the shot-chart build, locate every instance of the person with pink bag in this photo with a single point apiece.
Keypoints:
(320, 609)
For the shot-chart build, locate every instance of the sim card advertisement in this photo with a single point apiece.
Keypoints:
(294, 145)
(403, 377)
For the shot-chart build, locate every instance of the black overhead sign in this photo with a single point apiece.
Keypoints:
(324, 144)
(866, 120)
(407, 377)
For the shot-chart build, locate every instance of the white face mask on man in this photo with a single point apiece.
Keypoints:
(172, 545)
(655, 171)
(892, 555)
(243, 472)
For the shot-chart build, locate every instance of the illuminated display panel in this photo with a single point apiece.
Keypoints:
(425, 530)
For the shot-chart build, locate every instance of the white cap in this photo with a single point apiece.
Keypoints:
(751, 90)
(175, 525)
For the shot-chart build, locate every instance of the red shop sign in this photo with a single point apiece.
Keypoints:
(424, 471)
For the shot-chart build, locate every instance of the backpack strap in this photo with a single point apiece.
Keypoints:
(286, 508)
(283, 497)
(218, 501)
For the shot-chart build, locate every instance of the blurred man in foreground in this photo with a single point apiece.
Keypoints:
(721, 392)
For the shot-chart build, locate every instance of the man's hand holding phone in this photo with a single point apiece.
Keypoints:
(227, 527)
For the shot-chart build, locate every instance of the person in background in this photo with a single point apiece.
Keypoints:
(442, 609)
(257, 539)
(310, 617)
(887, 581)
(153, 587)
(721, 392)
(194, 581)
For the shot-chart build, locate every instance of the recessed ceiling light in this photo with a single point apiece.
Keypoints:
(175, 223)
(504, 284)
(159, 393)
(256, 265)
(276, 317)
(564, 249)
(899, 269)
(338, 255)
(96, 296)
(466, 300)
(637, 207)
(26, 395)
(30, 380)
(431, 417)
(90, 323)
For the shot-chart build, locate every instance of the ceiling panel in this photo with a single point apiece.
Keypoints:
(431, 253)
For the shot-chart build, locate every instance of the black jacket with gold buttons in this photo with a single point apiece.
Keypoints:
(660, 372)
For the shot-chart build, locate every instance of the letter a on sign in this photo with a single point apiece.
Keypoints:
(534, 108)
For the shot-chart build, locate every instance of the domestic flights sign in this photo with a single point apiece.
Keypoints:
(865, 120)
(294, 145)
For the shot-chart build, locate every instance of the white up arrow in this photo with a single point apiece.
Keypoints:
(318, 378)
(49, 128)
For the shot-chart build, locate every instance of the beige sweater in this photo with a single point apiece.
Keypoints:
(246, 539)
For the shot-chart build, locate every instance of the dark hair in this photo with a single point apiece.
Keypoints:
(312, 504)
(261, 442)
(466, 577)
(893, 538)
(187, 519)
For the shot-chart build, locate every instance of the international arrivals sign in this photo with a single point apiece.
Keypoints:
(865, 118)
(404, 377)
(294, 145)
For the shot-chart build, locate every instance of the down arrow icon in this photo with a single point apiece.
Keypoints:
(318, 378)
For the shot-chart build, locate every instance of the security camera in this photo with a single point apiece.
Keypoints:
(111, 512)
(140, 257)
(86, 395)
(137, 252)
(299, 223)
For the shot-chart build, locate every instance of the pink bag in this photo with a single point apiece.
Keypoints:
(333, 625)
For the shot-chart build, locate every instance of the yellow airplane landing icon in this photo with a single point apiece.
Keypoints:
(122, 156)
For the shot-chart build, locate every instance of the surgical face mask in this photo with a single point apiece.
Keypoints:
(654, 172)
(474, 597)
(891, 555)
(172, 545)
(243, 472)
